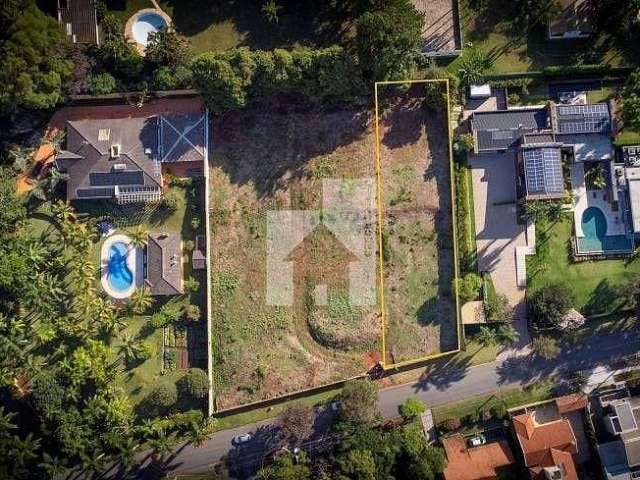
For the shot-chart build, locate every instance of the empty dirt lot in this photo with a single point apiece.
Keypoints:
(420, 311)
(266, 161)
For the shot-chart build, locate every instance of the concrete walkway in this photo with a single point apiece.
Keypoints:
(498, 233)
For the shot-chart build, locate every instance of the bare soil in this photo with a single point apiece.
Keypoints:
(264, 160)
(417, 228)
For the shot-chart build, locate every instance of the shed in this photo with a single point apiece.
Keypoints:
(480, 91)
(199, 255)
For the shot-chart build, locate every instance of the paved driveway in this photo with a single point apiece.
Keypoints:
(497, 230)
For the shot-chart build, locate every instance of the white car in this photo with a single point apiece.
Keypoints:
(240, 439)
(477, 440)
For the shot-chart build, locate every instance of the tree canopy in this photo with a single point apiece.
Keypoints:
(34, 55)
(388, 40)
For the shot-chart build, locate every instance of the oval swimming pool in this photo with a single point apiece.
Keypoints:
(119, 276)
(145, 24)
(594, 224)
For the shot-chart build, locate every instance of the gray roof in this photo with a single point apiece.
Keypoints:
(501, 130)
(144, 143)
(543, 171)
(538, 138)
(614, 460)
(198, 257)
(164, 264)
(591, 118)
(182, 138)
(90, 166)
(589, 146)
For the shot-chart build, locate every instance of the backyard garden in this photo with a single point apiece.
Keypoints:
(596, 285)
(493, 27)
(157, 343)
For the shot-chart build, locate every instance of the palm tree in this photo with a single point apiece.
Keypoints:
(197, 434)
(160, 445)
(595, 176)
(556, 211)
(139, 236)
(473, 67)
(52, 466)
(5, 420)
(24, 450)
(140, 301)
(63, 212)
(130, 347)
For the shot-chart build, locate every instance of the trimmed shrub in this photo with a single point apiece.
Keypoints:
(451, 424)
(102, 84)
(192, 312)
(172, 200)
(163, 396)
(411, 408)
(195, 383)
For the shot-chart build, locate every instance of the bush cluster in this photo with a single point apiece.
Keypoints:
(229, 79)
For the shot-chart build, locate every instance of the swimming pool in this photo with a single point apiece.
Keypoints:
(121, 266)
(146, 24)
(595, 239)
(119, 276)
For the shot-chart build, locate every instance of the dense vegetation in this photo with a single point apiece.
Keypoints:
(366, 449)
(63, 345)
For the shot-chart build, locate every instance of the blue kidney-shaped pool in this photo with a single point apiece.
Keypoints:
(119, 276)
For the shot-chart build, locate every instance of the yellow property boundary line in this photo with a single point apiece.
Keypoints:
(380, 209)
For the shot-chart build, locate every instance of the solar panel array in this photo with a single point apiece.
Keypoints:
(583, 118)
(543, 170)
(101, 179)
(94, 192)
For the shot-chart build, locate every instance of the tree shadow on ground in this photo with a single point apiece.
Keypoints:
(244, 460)
(442, 373)
(269, 146)
(302, 22)
(604, 298)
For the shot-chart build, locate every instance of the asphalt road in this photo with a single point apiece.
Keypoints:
(441, 383)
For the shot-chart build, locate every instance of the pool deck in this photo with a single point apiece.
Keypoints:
(583, 199)
(135, 263)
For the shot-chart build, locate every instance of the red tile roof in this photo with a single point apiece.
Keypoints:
(477, 463)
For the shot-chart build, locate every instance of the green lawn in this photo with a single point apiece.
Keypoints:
(138, 380)
(596, 284)
(511, 397)
(476, 354)
(627, 137)
(225, 25)
(489, 28)
(259, 414)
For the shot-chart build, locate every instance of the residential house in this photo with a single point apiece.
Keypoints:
(79, 20)
(485, 462)
(163, 264)
(573, 20)
(122, 159)
(618, 418)
(547, 439)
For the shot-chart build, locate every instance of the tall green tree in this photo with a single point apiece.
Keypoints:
(167, 47)
(34, 63)
(388, 40)
(631, 102)
(359, 402)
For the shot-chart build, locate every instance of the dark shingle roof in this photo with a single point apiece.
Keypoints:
(164, 264)
(543, 171)
(182, 138)
(503, 129)
(87, 157)
(81, 15)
